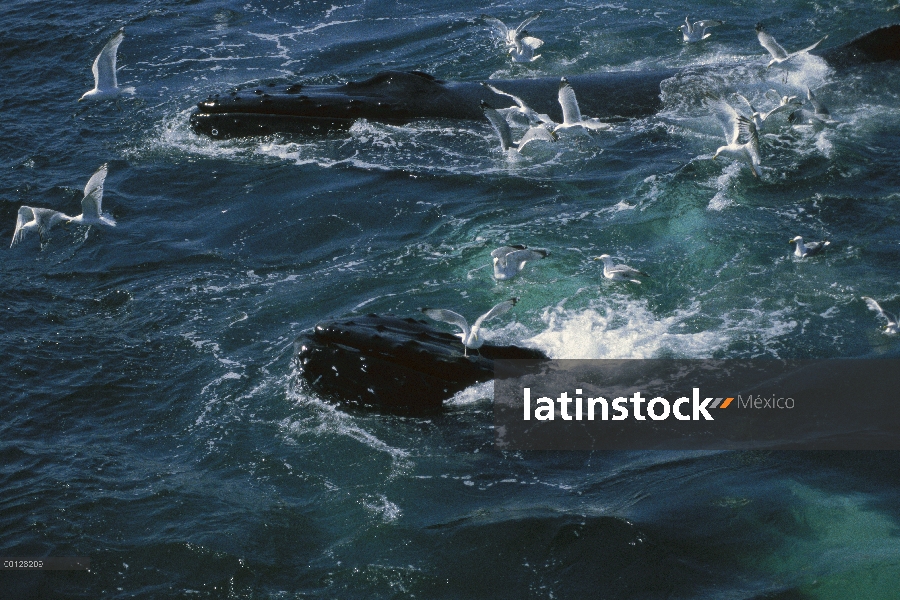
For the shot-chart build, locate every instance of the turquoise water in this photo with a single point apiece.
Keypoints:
(152, 420)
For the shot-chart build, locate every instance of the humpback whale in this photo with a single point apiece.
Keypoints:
(392, 363)
(399, 97)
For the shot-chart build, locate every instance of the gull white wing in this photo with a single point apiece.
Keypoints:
(104, 67)
(747, 127)
(526, 23)
(523, 108)
(501, 127)
(498, 310)
(498, 25)
(707, 24)
(42, 219)
(519, 102)
(728, 117)
(747, 102)
(448, 316)
(779, 109)
(502, 251)
(532, 42)
(768, 42)
(520, 257)
(881, 312)
(91, 204)
(626, 271)
(536, 133)
(26, 214)
(808, 48)
(818, 107)
(568, 102)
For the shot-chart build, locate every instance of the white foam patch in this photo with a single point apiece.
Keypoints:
(622, 328)
(472, 395)
(322, 419)
(419, 147)
(723, 183)
(381, 507)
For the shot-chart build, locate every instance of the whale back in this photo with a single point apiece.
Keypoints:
(398, 97)
(879, 45)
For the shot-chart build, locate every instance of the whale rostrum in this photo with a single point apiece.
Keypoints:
(393, 363)
(399, 97)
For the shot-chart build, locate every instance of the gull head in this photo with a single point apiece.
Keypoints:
(795, 240)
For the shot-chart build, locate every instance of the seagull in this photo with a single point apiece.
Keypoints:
(734, 125)
(819, 115)
(697, 31)
(619, 272)
(521, 108)
(521, 46)
(469, 337)
(104, 69)
(571, 113)
(40, 219)
(91, 211)
(782, 100)
(509, 260)
(808, 249)
(892, 326)
(759, 119)
(503, 131)
(43, 219)
(779, 54)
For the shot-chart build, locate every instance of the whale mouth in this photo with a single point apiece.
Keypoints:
(394, 364)
(392, 97)
(227, 125)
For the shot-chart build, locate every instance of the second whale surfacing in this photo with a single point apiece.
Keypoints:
(398, 97)
(393, 363)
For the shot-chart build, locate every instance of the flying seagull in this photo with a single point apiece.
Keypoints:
(619, 272)
(818, 117)
(43, 219)
(521, 108)
(759, 119)
(470, 337)
(520, 45)
(697, 31)
(779, 54)
(36, 219)
(892, 326)
(734, 125)
(104, 69)
(503, 132)
(509, 260)
(571, 113)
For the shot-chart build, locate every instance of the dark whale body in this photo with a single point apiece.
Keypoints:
(399, 97)
(393, 363)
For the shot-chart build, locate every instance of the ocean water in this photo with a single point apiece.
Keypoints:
(151, 418)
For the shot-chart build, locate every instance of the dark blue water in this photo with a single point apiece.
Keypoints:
(151, 418)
